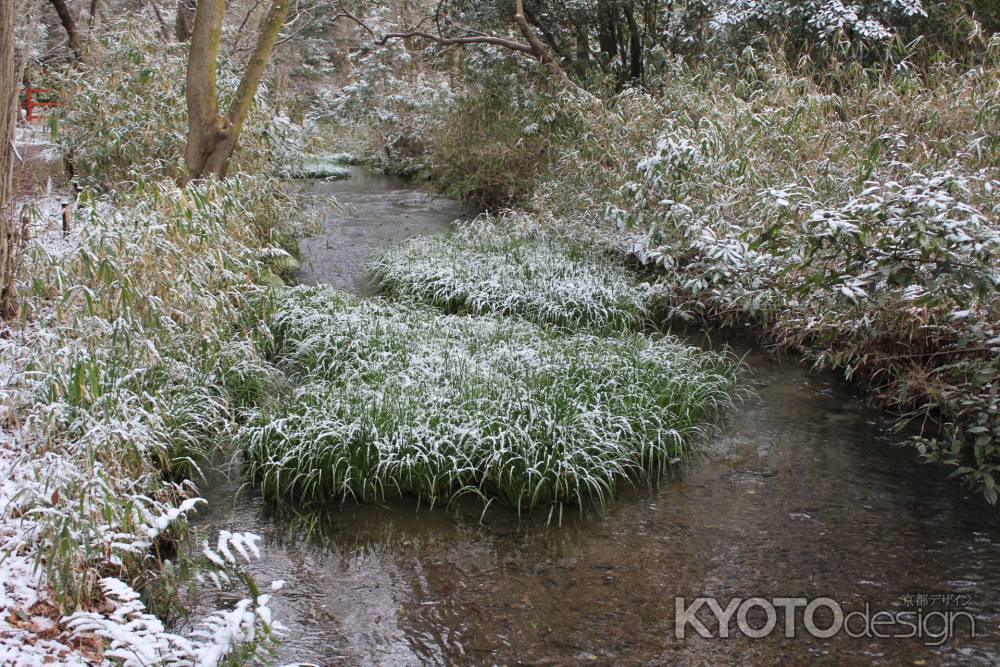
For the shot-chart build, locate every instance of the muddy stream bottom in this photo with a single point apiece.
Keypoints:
(802, 495)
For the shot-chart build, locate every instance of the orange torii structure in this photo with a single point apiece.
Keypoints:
(30, 102)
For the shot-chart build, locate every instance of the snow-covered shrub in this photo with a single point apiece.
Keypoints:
(475, 125)
(866, 20)
(394, 97)
(241, 635)
(399, 112)
(118, 385)
(491, 267)
(401, 399)
(860, 228)
(125, 117)
(492, 144)
(905, 277)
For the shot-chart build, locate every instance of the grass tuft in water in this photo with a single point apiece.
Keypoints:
(399, 399)
(316, 166)
(493, 268)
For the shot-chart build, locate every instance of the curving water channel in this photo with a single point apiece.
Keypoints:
(803, 495)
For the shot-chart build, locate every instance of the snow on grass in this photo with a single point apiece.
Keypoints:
(397, 398)
(136, 638)
(25, 636)
(119, 631)
(493, 268)
(316, 166)
(346, 158)
(111, 391)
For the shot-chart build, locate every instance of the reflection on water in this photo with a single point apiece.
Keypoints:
(802, 496)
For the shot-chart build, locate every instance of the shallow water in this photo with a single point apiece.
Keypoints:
(381, 209)
(803, 495)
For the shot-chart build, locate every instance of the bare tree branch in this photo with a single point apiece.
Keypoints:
(451, 41)
(69, 25)
(534, 47)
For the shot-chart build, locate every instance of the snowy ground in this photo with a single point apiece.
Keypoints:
(42, 205)
(31, 628)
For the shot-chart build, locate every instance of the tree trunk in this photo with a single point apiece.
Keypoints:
(205, 128)
(92, 15)
(582, 60)
(212, 138)
(649, 23)
(542, 53)
(607, 34)
(164, 29)
(69, 25)
(547, 35)
(184, 20)
(342, 50)
(636, 69)
(9, 232)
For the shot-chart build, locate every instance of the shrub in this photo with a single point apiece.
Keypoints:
(399, 399)
(492, 145)
(869, 20)
(125, 119)
(113, 390)
(481, 134)
(858, 228)
(398, 115)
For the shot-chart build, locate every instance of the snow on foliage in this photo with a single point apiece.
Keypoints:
(489, 267)
(136, 638)
(867, 240)
(398, 110)
(114, 386)
(304, 165)
(400, 399)
(870, 20)
(126, 120)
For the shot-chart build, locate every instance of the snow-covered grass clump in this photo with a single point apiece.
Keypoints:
(346, 158)
(396, 398)
(494, 268)
(316, 166)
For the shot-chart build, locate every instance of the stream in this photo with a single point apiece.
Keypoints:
(802, 494)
